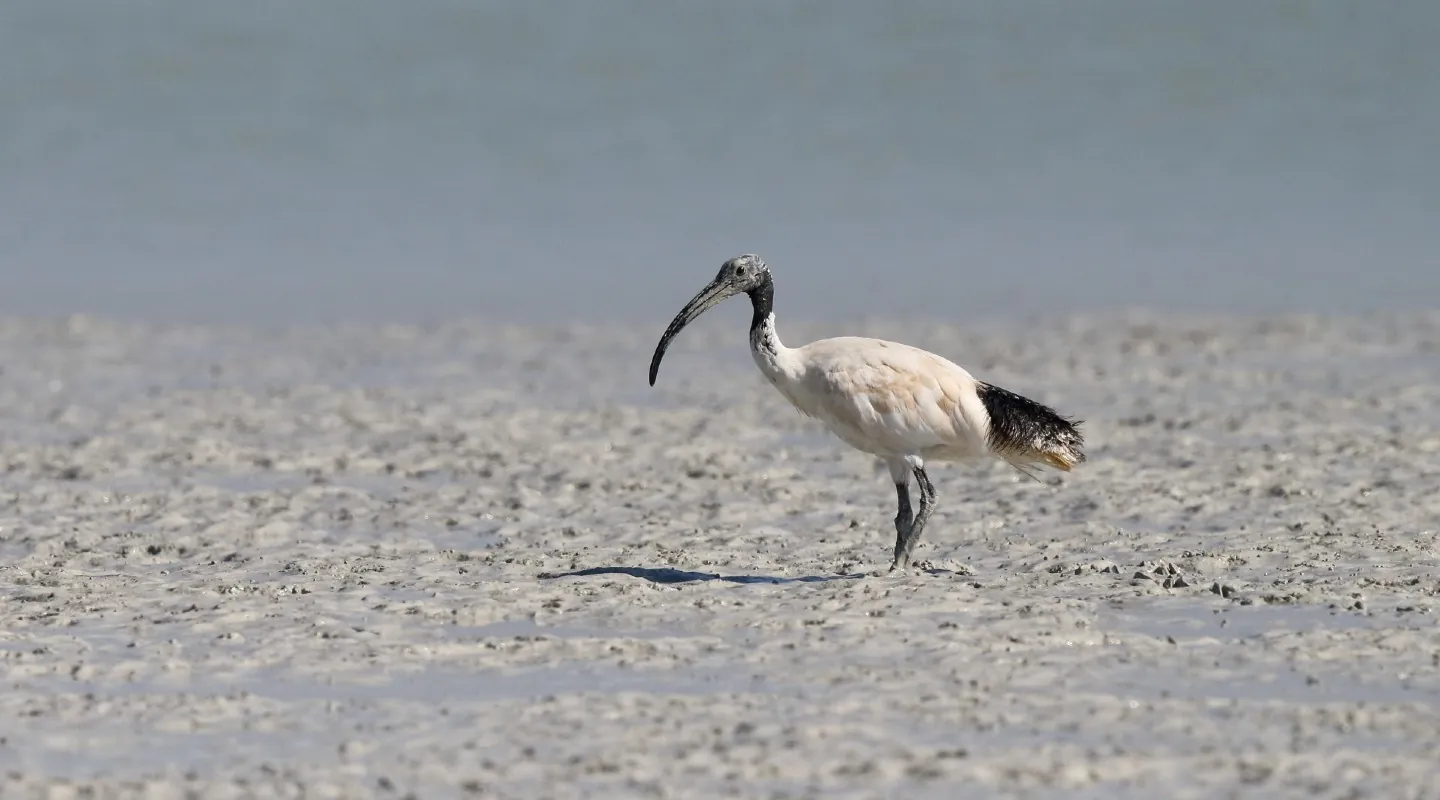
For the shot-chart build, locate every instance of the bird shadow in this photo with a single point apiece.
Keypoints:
(668, 575)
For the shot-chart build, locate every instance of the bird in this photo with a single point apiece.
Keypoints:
(902, 404)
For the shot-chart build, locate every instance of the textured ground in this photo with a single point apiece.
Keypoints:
(466, 560)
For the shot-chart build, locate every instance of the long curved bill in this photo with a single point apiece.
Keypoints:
(702, 302)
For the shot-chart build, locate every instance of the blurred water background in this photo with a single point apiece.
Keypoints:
(533, 161)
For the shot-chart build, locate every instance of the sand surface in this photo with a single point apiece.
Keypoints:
(465, 560)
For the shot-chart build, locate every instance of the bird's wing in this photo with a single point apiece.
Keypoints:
(893, 397)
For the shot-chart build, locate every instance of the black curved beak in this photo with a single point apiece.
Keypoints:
(708, 297)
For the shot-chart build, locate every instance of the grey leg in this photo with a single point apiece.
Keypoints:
(903, 518)
(906, 538)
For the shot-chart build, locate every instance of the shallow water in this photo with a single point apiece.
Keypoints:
(1185, 622)
(167, 159)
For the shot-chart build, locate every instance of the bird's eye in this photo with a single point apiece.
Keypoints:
(739, 271)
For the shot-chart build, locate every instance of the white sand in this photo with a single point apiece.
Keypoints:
(319, 563)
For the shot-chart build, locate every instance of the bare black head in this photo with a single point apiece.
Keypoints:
(745, 274)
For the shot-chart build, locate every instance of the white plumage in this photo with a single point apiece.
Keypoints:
(900, 403)
(884, 398)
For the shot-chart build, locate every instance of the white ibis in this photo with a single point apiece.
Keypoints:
(900, 403)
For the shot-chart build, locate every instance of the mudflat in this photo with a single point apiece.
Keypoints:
(464, 559)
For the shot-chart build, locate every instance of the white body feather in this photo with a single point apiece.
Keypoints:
(884, 398)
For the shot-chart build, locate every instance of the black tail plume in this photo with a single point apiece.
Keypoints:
(1026, 432)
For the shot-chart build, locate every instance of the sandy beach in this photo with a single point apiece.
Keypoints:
(470, 560)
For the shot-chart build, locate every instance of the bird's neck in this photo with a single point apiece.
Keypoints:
(764, 341)
(762, 303)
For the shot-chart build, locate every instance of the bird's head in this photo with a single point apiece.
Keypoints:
(740, 275)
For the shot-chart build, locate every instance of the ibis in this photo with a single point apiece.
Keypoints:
(904, 405)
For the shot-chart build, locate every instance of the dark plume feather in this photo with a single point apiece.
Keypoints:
(1024, 431)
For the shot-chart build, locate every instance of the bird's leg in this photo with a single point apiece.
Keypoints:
(903, 518)
(905, 542)
(900, 475)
